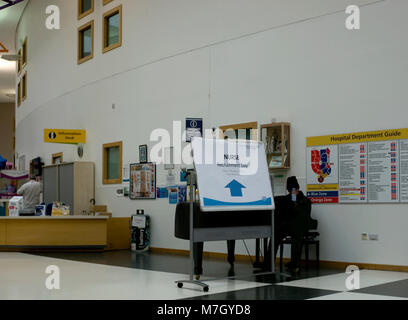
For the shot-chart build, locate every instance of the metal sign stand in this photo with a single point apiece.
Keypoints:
(180, 283)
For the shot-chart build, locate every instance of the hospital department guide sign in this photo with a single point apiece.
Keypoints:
(232, 175)
(364, 167)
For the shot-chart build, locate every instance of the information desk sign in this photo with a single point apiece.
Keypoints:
(232, 175)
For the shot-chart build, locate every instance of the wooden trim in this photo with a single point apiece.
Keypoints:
(24, 87)
(85, 13)
(55, 156)
(325, 264)
(248, 125)
(25, 53)
(105, 163)
(273, 125)
(106, 16)
(105, 2)
(206, 254)
(82, 28)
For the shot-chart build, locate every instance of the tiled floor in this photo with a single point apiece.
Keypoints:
(129, 276)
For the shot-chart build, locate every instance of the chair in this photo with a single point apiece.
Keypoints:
(310, 238)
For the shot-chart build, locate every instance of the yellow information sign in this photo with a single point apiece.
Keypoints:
(64, 136)
(369, 136)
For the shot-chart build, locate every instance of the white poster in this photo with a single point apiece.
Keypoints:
(232, 175)
(403, 169)
(353, 173)
(383, 175)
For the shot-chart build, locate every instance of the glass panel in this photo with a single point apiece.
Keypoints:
(86, 5)
(112, 36)
(112, 157)
(86, 42)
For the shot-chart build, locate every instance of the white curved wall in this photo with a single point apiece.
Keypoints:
(227, 61)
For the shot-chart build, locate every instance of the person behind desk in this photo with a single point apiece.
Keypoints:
(31, 191)
(292, 216)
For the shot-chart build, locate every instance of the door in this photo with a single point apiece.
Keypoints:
(66, 185)
(50, 187)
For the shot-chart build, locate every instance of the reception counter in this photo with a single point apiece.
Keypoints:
(70, 232)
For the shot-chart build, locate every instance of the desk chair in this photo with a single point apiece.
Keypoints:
(310, 238)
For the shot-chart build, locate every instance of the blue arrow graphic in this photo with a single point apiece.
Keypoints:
(235, 188)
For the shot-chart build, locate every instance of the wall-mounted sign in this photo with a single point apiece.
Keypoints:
(194, 128)
(365, 167)
(64, 136)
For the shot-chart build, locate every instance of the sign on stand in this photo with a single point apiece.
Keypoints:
(232, 175)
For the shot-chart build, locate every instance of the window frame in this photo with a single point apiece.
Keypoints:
(24, 53)
(24, 87)
(81, 14)
(19, 94)
(56, 156)
(81, 29)
(19, 64)
(105, 2)
(105, 18)
(105, 147)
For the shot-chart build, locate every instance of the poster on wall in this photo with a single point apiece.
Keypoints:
(372, 167)
(142, 181)
(322, 174)
(194, 128)
(403, 170)
(383, 177)
(353, 173)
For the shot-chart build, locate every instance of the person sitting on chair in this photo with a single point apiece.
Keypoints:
(292, 216)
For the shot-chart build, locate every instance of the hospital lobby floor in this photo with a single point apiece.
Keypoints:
(125, 275)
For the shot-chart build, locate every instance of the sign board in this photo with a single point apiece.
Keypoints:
(64, 136)
(365, 167)
(194, 128)
(232, 175)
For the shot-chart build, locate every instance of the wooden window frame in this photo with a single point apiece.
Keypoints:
(107, 15)
(24, 87)
(24, 53)
(81, 14)
(19, 68)
(248, 125)
(106, 146)
(105, 2)
(19, 94)
(55, 156)
(80, 41)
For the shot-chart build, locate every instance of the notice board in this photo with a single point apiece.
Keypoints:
(232, 175)
(364, 167)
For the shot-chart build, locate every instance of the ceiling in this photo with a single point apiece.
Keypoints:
(9, 18)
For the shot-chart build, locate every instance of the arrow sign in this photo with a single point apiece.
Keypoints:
(235, 188)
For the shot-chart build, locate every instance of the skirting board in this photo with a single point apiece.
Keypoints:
(324, 264)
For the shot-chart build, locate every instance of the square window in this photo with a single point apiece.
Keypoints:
(19, 94)
(112, 25)
(85, 42)
(85, 7)
(19, 61)
(25, 54)
(112, 163)
(24, 87)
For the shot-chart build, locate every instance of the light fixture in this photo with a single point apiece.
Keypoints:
(10, 95)
(11, 57)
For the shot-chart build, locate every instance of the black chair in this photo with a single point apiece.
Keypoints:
(310, 238)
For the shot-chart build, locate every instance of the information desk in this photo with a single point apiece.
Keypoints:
(76, 232)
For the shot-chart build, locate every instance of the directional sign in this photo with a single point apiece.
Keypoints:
(232, 175)
(64, 136)
(236, 188)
